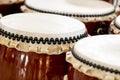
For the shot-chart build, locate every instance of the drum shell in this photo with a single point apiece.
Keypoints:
(110, 1)
(6, 9)
(17, 65)
(74, 74)
(97, 28)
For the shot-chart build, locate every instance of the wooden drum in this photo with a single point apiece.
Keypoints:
(115, 26)
(33, 45)
(95, 14)
(95, 58)
(10, 6)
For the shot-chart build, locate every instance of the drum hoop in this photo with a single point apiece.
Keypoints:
(71, 15)
(33, 40)
(94, 65)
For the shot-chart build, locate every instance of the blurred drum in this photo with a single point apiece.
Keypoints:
(95, 58)
(10, 6)
(33, 46)
(96, 14)
(115, 26)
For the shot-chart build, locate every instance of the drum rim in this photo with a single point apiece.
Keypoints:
(90, 70)
(33, 40)
(94, 65)
(43, 46)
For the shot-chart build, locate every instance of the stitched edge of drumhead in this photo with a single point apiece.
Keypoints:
(70, 15)
(94, 65)
(37, 40)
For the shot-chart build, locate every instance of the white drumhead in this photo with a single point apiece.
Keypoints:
(91, 7)
(43, 25)
(103, 50)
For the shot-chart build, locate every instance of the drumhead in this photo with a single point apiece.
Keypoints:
(46, 24)
(88, 8)
(97, 48)
(44, 29)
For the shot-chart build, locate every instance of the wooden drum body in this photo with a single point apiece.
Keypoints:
(31, 51)
(110, 1)
(100, 27)
(95, 14)
(17, 65)
(86, 63)
(74, 74)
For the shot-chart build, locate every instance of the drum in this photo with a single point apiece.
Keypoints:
(115, 26)
(33, 45)
(95, 14)
(10, 6)
(95, 58)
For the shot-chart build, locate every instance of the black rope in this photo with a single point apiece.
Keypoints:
(41, 39)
